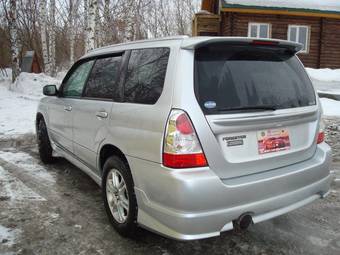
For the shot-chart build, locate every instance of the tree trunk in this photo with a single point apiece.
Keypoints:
(107, 23)
(52, 38)
(130, 25)
(86, 22)
(44, 36)
(12, 24)
(98, 41)
(71, 31)
(90, 30)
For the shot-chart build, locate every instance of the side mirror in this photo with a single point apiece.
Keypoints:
(50, 90)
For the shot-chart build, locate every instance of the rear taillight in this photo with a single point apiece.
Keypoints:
(321, 137)
(182, 148)
(321, 134)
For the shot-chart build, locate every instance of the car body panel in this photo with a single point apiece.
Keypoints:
(90, 130)
(202, 205)
(134, 128)
(60, 121)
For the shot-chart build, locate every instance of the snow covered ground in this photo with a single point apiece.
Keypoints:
(27, 163)
(330, 107)
(10, 235)
(18, 101)
(325, 80)
(14, 190)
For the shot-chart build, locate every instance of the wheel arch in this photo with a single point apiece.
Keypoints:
(39, 117)
(107, 151)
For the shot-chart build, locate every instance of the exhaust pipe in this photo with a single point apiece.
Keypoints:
(243, 222)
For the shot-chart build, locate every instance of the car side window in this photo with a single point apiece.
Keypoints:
(145, 75)
(103, 80)
(74, 85)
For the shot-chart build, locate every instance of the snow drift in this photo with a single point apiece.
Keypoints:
(19, 101)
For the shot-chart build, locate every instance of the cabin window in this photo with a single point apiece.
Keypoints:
(301, 35)
(145, 75)
(259, 30)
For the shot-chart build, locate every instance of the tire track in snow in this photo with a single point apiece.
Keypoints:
(12, 189)
(27, 164)
(28, 169)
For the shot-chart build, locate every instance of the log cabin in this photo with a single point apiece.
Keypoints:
(314, 23)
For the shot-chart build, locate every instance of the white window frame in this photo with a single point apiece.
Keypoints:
(250, 24)
(308, 28)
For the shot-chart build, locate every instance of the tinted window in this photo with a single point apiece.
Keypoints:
(103, 80)
(145, 75)
(74, 85)
(230, 78)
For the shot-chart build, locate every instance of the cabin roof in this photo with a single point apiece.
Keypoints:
(184, 42)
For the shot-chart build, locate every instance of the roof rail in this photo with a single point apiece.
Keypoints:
(177, 37)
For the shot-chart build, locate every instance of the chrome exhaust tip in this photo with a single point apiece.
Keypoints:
(243, 222)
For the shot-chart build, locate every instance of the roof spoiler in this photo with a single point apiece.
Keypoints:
(198, 42)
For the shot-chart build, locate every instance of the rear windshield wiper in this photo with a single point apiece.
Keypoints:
(245, 108)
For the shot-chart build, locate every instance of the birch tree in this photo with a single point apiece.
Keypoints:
(52, 39)
(134, 18)
(184, 11)
(97, 37)
(43, 32)
(107, 22)
(41, 22)
(86, 21)
(71, 31)
(159, 19)
(12, 24)
(91, 26)
(129, 12)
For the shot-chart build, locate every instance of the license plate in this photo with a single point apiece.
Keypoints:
(273, 140)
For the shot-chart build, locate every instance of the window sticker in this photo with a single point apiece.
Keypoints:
(210, 104)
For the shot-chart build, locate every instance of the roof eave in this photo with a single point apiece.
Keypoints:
(280, 11)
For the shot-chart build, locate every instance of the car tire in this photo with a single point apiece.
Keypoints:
(44, 144)
(125, 222)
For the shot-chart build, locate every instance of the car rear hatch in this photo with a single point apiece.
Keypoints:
(259, 104)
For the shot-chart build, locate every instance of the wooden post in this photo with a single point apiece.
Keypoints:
(320, 42)
(206, 24)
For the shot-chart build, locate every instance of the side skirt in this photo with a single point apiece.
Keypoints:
(76, 161)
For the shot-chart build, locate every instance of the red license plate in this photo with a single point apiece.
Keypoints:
(273, 140)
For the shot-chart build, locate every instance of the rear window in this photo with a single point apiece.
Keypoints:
(232, 78)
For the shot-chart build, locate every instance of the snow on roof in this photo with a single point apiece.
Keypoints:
(316, 5)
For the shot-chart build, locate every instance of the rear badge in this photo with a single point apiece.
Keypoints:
(210, 104)
(235, 143)
(234, 140)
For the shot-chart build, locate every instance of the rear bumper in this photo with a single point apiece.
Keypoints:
(194, 203)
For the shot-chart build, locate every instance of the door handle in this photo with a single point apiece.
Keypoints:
(68, 108)
(102, 115)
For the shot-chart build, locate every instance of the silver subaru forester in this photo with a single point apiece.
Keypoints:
(190, 137)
